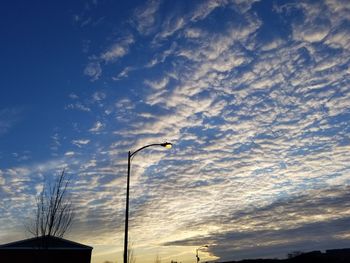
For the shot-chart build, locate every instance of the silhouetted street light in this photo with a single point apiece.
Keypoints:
(167, 145)
(198, 259)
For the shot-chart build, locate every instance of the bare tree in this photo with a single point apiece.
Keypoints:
(157, 259)
(54, 211)
(131, 257)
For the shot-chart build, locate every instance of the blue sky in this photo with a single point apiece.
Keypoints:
(255, 96)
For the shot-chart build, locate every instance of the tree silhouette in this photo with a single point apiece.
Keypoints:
(54, 211)
(294, 254)
(131, 257)
(157, 259)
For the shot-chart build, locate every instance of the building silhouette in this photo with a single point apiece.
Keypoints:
(45, 249)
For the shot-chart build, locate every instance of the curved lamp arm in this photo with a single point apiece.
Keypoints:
(198, 259)
(167, 145)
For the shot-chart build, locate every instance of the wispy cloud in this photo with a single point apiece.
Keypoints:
(117, 50)
(96, 127)
(260, 131)
(124, 73)
(146, 16)
(252, 130)
(204, 8)
(8, 118)
(157, 85)
(93, 70)
(80, 142)
(285, 224)
(78, 106)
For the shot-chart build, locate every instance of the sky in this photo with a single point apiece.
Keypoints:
(254, 95)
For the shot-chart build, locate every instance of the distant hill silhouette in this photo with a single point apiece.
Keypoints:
(330, 256)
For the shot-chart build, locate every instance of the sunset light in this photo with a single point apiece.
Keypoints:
(186, 131)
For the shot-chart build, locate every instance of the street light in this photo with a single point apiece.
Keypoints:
(167, 145)
(198, 259)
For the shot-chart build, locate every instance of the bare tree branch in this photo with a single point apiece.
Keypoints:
(54, 211)
(157, 259)
(131, 257)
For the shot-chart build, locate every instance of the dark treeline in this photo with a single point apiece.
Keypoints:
(330, 256)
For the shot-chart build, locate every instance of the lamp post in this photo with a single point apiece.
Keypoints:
(130, 155)
(197, 257)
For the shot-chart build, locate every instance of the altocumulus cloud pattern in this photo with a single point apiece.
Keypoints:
(255, 96)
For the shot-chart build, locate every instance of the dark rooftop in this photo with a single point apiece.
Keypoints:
(49, 242)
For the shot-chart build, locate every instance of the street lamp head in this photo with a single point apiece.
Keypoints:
(167, 145)
(205, 246)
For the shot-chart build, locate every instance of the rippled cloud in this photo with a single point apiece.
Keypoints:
(259, 122)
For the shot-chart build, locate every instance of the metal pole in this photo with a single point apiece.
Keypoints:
(127, 212)
(166, 145)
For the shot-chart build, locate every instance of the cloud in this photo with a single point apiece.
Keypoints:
(174, 23)
(117, 50)
(205, 8)
(78, 106)
(124, 73)
(125, 104)
(260, 132)
(251, 133)
(81, 142)
(73, 96)
(97, 127)
(8, 118)
(157, 85)
(93, 70)
(193, 33)
(285, 225)
(98, 96)
(170, 26)
(145, 16)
